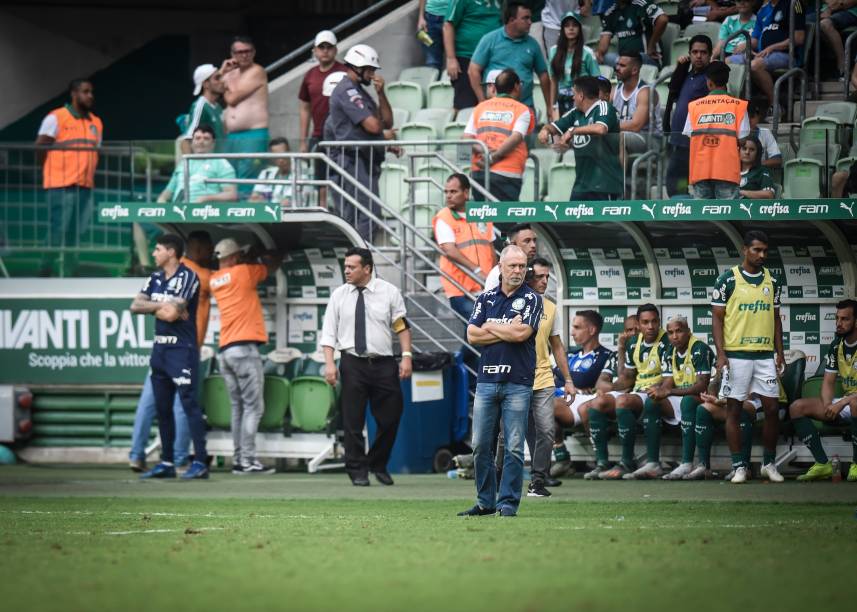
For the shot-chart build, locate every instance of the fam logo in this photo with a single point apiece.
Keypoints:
(522, 211)
(717, 209)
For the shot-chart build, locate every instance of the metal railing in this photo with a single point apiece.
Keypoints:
(748, 44)
(788, 76)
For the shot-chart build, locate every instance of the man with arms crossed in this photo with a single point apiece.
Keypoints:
(748, 336)
(503, 323)
(840, 363)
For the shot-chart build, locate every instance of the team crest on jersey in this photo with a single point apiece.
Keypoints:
(688, 371)
(518, 304)
(652, 364)
(715, 295)
(766, 290)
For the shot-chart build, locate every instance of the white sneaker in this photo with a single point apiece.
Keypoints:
(771, 472)
(680, 472)
(700, 472)
(649, 470)
(740, 476)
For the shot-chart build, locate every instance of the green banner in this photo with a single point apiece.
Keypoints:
(662, 210)
(73, 341)
(184, 212)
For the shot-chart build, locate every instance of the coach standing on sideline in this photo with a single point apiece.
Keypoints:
(504, 323)
(358, 322)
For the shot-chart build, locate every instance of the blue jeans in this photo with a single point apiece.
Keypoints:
(510, 402)
(143, 425)
(714, 190)
(434, 54)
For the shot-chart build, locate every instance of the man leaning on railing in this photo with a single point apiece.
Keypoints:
(200, 170)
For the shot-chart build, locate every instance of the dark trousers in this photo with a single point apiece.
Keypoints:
(677, 171)
(375, 380)
(463, 94)
(504, 188)
(176, 370)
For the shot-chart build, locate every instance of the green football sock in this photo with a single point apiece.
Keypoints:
(854, 434)
(688, 422)
(627, 423)
(652, 427)
(808, 434)
(704, 435)
(746, 427)
(598, 435)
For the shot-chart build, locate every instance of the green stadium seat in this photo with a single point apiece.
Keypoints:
(418, 131)
(560, 181)
(463, 115)
(844, 164)
(312, 403)
(592, 30)
(528, 188)
(737, 74)
(547, 158)
(421, 75)
(819, 131)
(648, 73)
(670, 34)
(435, 117)
(423, 212)
(426, 193)
(802, 178)
(844, 113)
(457, 154)
(406, 95)
(284, 362)
(216, 402)
(821, 153)
(277, 394)
(606, 71)
(440, 95)
(708, 28)
(392, 187)
(400, 117)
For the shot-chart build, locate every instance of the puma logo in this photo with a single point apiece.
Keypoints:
(845, 206)
(274, 210)
(180, 211)
(552, 210)
(650, 210)
(747, 209)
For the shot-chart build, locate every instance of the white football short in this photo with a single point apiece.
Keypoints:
(748, 376)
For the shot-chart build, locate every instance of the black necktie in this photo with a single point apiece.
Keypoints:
(360, 323)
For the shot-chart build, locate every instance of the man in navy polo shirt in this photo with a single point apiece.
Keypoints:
(504, 324)
(171, 295)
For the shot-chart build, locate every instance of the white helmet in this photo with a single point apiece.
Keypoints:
(362, 56)
(330, 82)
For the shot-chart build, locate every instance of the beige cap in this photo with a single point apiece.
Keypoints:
(325, 36)
(227, 247)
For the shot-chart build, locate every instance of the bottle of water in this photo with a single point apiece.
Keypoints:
(837, 469)
(725, 387)
(452, 474)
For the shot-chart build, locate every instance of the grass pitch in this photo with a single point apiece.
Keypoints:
(97, 539)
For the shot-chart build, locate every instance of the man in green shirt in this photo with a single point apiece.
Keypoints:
(200, 171)
(592, 129)
(467, 21)
(637, 25)
(206, 109)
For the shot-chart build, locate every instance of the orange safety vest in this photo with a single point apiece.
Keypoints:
(474, 240)
(715, 121)
(493, 121)
(67, 168)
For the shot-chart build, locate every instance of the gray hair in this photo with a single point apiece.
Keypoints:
(678, 318)
(511, 250)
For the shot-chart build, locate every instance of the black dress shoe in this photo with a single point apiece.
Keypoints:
(360, 481)
(478, 510)
(552, 482)
(384, 478)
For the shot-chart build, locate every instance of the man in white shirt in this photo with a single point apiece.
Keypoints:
(281, 170)
(522, 236)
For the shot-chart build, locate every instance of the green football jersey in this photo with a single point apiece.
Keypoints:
(596, 157)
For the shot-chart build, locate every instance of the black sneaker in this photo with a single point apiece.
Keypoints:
(537, 489)
(552, 482)
(478, 510)
(257, 468)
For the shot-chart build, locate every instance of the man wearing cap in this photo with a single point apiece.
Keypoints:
(206, 109)
(490, 83)
(200, 170)
(242, 330)
(354, 115)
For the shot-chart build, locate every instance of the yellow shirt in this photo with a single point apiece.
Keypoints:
(549, 326)
(750, 312)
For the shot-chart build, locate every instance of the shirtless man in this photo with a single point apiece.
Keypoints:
(246, 116)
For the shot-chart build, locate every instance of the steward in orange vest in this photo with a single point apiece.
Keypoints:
(501, 123)
(72, 125)
(465, 245)
(715, 124)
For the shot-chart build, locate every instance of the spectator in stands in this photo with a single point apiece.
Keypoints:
(569, 58)
(635, 103)
(771, 155)
(592, 130)
(687, 84)
(637, 25)
(771, 42)
(281, 170)
(756, 182)
(605, 88)
(467, 21)
(197, 258)
(840, 15)
(548, 28)
(511, 47)
(712, 10)
(744, 19)
(490, 84)
(354, 115)
(200, 171)
(68, 174)
(206, 109)
(501, 123)
(242, 332)
(523, 237)
(844, 182)
(430, 16)
(714, 125)
(246, 115)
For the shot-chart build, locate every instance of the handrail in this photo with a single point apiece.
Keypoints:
(634, 166)
(307, 46)
(653, 107)
(787, 76)
(748, 44)
(848, 60)
(537, 176)
(816, 88)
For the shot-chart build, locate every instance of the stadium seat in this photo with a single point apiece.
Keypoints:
(283, 362)
(392, 187)
(440, 95)
(812, 386)
(819, 130)
(669, 7)
(418, 131)
(312, 403)
(404, 94)
(435, 117)
(464, 114)
(844, 113)
(457, 154)
(844, 164)
(592, 28)
(400, 117)
(737, 74)
(277, 394)
(422, 213)
(528, 187)
(793, 374)
(802, 178)
(560, 181)
(547, 158)
(421, 75)
(606, 71)
(432, 193)
(670, 34)
(825, 155)
(216, 402)
(648, 73)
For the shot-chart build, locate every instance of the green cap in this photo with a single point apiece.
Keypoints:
(572, 15)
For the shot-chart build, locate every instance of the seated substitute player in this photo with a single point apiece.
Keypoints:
(687, 372)
(643, 369)
(840, 363)
(591, 368)
(172, 294)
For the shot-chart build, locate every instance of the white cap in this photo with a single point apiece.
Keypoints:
(491, 77)
(362, 56)
(201, 75)
(227, 247)
(325, 36)
(330, 82)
